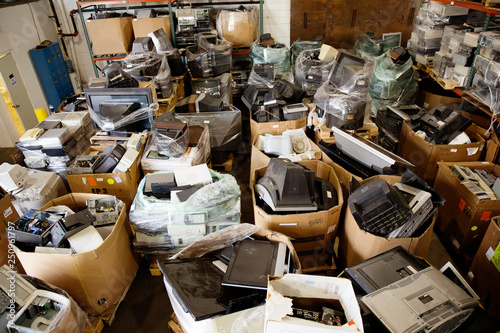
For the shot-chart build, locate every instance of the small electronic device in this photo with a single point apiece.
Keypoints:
(443, 124)
(253, 261)
(159, 185)
(378, 208)
(70, 225)
(289, 91)
(383, 269)
(488, 178)
(105, 210)
(84, 164)
(110, 158)
(287, 186)
(295, 111)
(12, 176)
(426, 301)
(31, 135)
(420, 202)
(194, 175)
(142, 45)
(87, 239)
(126, 161)
(348, 65)
(278, 145)
(34, 227)
(473, 182)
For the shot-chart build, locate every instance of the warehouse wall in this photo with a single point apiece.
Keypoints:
(276, 21)
(24, 27)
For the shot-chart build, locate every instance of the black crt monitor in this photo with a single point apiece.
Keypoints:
(345, 67)
(211, 87)
(121, 96)
(347, 162)
(384, 269)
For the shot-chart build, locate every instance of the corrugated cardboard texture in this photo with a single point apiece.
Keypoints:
(95, 279)
(312, 233)
(425, 155)
(143, 26)
(123, 185)
(357, 245)
(111, 35)
(429, 100)
(7, 214)
(275, 128)
(463, 219)
(493, 149)
(483, 276)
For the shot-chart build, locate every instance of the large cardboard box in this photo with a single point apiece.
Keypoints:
(357, 245)
(96, 279)
(310, 292)
(463, 219)
(429, 100)
(7, 214)
(312, 233)
(143, 26)
(484, 274)
(425, 155)
(238, 27)
(275, 128)
(493, 149)
(111, 35)
(123, 185)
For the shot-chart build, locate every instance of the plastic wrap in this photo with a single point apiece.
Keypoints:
(225, 126)
(150, 67)
(255, 79)
(185, 222)
(109, 124)
(392, 84)
(116, 77)
(161, 41)
(278, 55)
(367, 47)
(167, 146)
(197, 153)
(207, 59)
(311, 72)
(222, 91)
(302, 45)
(239, 27)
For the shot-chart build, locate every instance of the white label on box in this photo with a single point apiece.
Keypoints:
(455, 242)
(7, 212)
(329, 194)
(453, 150)
(206, 121)
(426, 105)
(331, 228)
(471, 275)
(490, 253)
(288, 223)
(413, 270)
(84, 180)
(118, 179)
(276, 126)
(100, 179)
(472, 151)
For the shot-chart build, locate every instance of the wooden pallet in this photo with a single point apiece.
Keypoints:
(96, 325)
(491, 3)
(446, 84)
(173, 324)
(227, 165)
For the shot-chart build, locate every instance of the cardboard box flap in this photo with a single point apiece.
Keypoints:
(281, 290)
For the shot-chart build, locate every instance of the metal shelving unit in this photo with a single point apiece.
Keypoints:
(490, 12)
(84, 5)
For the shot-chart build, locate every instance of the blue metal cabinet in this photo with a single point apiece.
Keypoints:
(52, 73)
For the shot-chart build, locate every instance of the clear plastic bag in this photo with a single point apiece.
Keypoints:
(109, 124)
(301, 45)
(185, 222)
(278, 55)
(207, 59)
(239, 27)
(310, 72)
(392, 84)
(167, 146)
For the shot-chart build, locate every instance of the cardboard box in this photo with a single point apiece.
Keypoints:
(215, 241)
(309, 291)
(493, 149)
(312, 233)
(425, 155)
(143, 26)
(357, 245)
(111, 35)
(237, 27)
(96, 279)
(260, 159)
(463, 219)
(123, 185)
(7, 214)
(429, 100)
(484, 274)
(275, 128)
